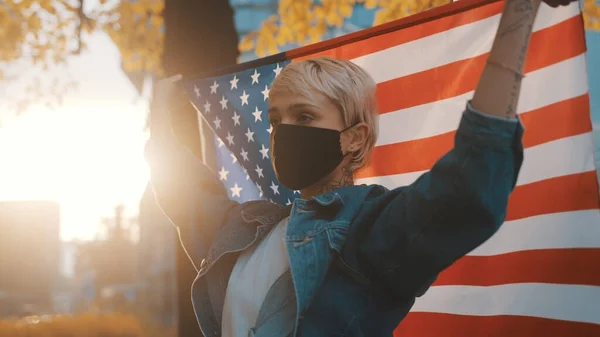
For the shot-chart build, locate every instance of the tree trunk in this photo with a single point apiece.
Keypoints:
(200, 36)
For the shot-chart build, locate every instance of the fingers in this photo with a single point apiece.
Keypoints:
(175, 78)
(558, 3)
(170, 80)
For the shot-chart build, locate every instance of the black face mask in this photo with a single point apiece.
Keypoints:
(303, 155)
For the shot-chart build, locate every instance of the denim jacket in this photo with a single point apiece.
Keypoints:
(360, 255)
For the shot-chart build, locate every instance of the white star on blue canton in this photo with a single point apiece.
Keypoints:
(259, 171)
(244, 154)
(250, 135)
(213, 88)
(230, 139)
(223, 102)
(223, 173)
(234, 82)
(257, 115)
(255, 76)
(274, 187)
(265, 93)
(235, 191)
(236, 118)
(277, 70)
(217, 122)
(264, 151)
(244, 98)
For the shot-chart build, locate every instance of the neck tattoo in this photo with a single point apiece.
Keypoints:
(346, 179)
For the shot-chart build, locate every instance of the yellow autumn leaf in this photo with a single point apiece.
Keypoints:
(346, 9)
(380, 17)
(24, 4)
(261, 49)
(591, 15)
(34, 23)
(138, 7)
(315, 34)
(157, 6)
(371, 4)
(273, 49)
(320, 12)
(285, 36)
(246, 43)
(301, 37)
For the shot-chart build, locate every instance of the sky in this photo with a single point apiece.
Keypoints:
(593, 59)
(88, 155)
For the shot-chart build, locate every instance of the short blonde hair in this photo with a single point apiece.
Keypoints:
(346, 84)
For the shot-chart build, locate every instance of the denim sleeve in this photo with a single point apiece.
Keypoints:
(460, 203)
(188, 193)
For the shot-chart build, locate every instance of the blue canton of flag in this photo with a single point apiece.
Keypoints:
(236, 107)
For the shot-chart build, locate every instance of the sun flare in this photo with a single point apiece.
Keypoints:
(88, 159)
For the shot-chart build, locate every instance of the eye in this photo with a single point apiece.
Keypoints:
(305, 118)
(273, 121)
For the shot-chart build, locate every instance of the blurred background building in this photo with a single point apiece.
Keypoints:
(29, 257)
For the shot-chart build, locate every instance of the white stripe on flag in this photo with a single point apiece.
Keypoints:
(565, 156)
(577, 229)
(449, 46)
(576, 303)
(561, 157)
(540, 88)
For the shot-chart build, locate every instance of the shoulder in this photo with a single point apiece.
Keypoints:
(359, 203)
(257, 210)
(373, 193)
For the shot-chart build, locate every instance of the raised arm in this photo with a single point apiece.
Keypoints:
(497, 92)
(188, 193)
(462, 201)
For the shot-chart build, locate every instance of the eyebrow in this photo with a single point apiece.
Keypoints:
(294, 106)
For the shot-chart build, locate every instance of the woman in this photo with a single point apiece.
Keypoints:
(343, 260)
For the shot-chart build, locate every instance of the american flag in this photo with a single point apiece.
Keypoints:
(236, 107)
(539, 275)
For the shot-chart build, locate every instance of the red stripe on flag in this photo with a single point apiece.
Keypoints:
(425, 324)
(401, 36)
(455, 8)
(573, 114)
(542, 125)
(409, 156)
(462, 76)
(568, 193)
(576, 265)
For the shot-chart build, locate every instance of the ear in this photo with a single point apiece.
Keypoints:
(356, 137)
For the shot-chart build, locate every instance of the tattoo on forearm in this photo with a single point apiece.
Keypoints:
(346, 179)
(524, 13)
